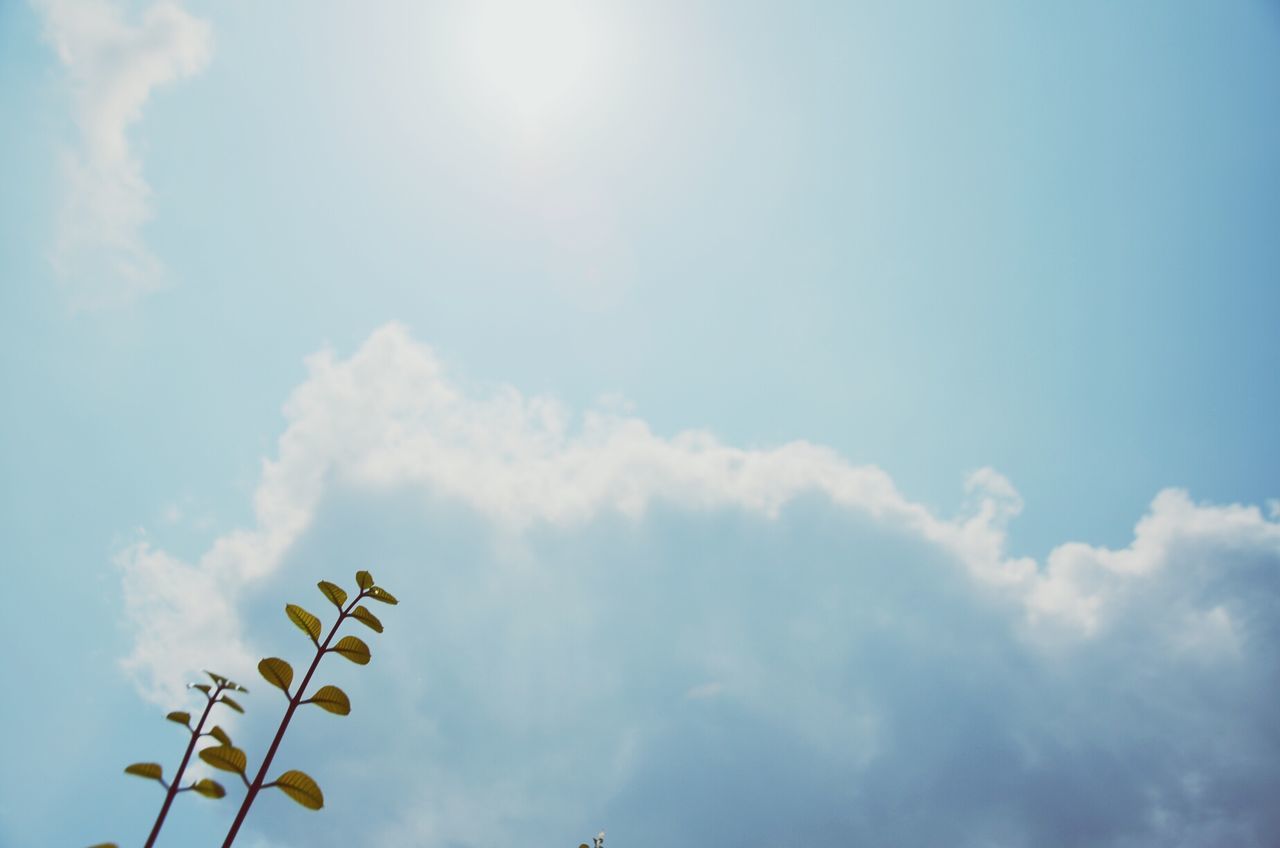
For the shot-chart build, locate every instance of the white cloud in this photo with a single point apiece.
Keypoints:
(594, 613)
(113, 67)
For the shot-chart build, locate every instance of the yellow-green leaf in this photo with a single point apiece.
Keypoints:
(353, 649)
(277, 672)
(333, 592)
(179, 717)
(367, 618)
(151, 771)
(331, 698)
(230, 702)
(377, 593)
(216, 678)
(305, 621)
(301, 788)
(209, 788)
(225, 757)
(364, 580)
(105, 845)
(221, 735)
(203, 687)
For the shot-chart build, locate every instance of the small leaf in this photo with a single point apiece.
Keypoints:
(105, 845)
(333, 592)
(301, 788)
(377, 593)
(221, 735)
(180, 717)
(331, 698)
(209, 788)
(227, 682)
(353, 649)
(367, 618)
(277, 672)
(364, 580)
(230, 703)
(203, 687)
(151, 771)
(225, 757)
(305, 621)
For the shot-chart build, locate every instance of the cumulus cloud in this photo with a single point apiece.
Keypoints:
(693, 643)
(112, 67)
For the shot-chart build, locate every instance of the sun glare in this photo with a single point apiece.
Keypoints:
(534, 62)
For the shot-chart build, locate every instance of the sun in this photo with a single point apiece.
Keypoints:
(534, 62)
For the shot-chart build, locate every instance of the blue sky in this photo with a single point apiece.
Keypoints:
(780, 421)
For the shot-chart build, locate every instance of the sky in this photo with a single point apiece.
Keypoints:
(841, 422)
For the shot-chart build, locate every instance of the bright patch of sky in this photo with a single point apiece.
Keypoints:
(781, 422)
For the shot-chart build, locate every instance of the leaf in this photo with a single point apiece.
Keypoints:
(209, 788)
(277, 672)
(333, 592)
(364, 580)
(105, 845)
(180, 718)
(353, 649)
(301, 788)
(203, 687)
(221, 735)
(230, 703)
(331, 698)
(306, 622)
(367, 618)
(150, 771)
(377, 593)
(227, 682)
(225, 757)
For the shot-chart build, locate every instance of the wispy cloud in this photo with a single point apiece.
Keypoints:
(694, 643)
(112, 67)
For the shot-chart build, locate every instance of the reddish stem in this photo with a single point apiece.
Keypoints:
(294, 702)
(186, 757)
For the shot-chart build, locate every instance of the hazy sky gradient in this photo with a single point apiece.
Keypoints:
(755, 406)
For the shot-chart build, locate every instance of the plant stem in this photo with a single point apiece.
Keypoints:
(177, 778)
(294, 702)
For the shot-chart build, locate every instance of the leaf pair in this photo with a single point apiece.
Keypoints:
(365, 581)
(153, 771)
(279, 673)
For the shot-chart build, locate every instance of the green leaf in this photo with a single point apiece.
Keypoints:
(209, 788)
(364, 580)
(333, 592)
(367, 618)
(218, 679)
(353, 649)
(221, 735)
(377, 593)
(225, 757)
(277, 672)
(301, 788)
(180, 718)
(305, 621)
(331, 698)
(230, 703)
(150, 771)
(203, 687)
